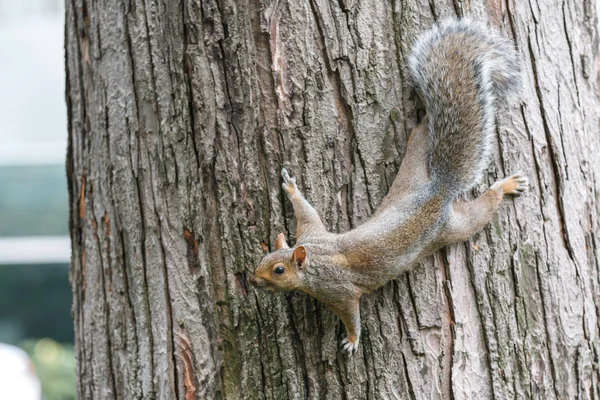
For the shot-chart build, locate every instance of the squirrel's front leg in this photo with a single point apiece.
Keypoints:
(349, 313)
(307, 218)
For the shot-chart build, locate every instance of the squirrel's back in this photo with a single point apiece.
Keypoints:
(460, 69)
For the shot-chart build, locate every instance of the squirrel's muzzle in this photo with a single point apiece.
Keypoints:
(261, 284)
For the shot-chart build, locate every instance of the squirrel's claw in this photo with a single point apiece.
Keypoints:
(519, 184)
(514, 185)
(349, 347)
(289, 183)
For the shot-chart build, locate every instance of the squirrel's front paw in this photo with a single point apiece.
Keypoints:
(289, 183)
(514, 185)
(350, 344)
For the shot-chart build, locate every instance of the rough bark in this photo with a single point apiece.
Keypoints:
(181, 115)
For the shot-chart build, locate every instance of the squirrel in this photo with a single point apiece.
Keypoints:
(460, 69)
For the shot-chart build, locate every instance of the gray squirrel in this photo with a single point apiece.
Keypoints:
(460, 70)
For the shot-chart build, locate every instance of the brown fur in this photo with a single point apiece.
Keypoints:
(420, 214)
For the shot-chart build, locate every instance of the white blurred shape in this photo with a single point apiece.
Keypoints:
(32, 101)
(17, 376)
(37, 153)
(35, 250)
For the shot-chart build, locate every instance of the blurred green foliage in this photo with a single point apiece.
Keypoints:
(33, 201)
(55, 366)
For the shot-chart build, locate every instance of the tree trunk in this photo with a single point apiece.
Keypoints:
(181, 115)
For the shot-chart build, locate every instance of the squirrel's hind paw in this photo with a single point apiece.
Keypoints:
(350, 346)
(514, 185)
(289, 183)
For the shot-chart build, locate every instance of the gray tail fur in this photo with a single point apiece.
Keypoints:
(460, 69)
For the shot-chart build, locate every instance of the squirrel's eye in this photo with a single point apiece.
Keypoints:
(279, 270)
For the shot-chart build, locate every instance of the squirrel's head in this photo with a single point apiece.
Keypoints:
(282, 269)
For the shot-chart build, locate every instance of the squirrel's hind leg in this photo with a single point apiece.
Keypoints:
(469, 217)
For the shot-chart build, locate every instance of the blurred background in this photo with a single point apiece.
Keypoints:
(35, 294)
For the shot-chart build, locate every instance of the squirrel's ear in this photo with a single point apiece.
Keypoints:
(280, 242)
(299, 256)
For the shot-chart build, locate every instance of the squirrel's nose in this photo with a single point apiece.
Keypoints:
(252, 280)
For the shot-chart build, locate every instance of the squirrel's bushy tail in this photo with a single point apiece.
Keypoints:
(460, 69)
